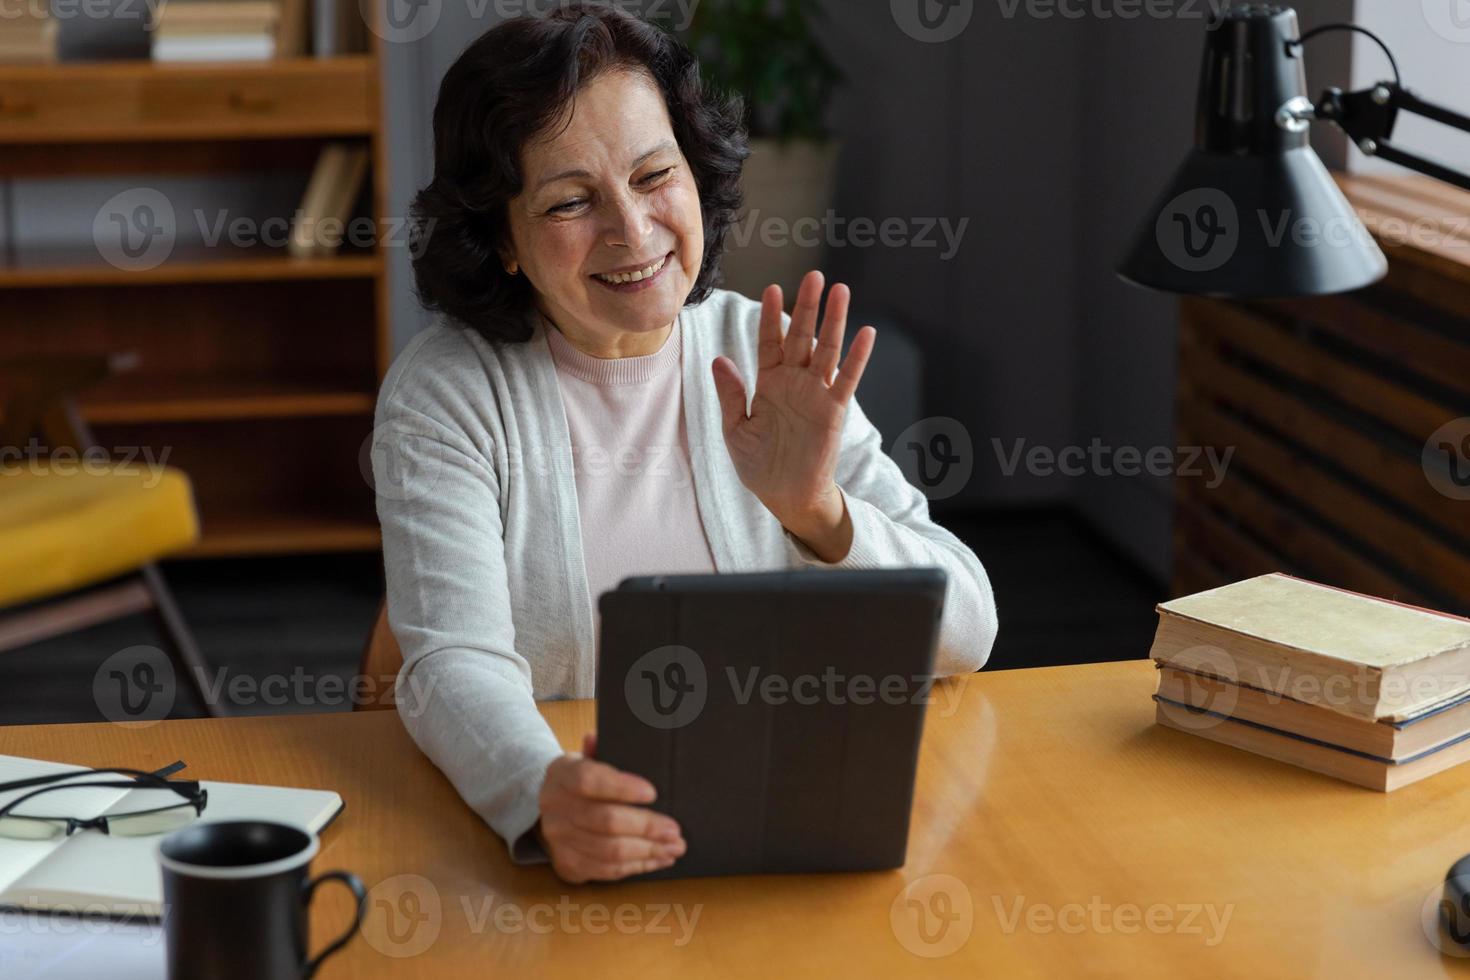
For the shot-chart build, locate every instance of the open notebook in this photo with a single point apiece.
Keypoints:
(95, 873)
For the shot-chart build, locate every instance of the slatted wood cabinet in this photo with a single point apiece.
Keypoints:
(256, 371)
(1345, 415)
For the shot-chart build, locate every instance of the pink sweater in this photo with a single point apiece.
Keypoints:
(630, 453)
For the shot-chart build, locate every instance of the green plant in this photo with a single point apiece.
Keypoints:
(767, 50)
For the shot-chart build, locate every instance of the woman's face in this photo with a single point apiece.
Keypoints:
(610, 193)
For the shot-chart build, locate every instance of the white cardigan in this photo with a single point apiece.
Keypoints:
(482, 549)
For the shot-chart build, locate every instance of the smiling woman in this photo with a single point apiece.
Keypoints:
(584, 182)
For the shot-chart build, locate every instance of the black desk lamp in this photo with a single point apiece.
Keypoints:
(1252, 212)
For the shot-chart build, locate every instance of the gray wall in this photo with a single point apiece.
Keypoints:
(1140, 78)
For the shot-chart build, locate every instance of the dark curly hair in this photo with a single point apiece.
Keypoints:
(509, 85)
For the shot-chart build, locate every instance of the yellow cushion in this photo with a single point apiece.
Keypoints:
(72, 524)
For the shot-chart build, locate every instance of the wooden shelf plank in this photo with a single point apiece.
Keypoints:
(83, 265)
(143, 101)
(233, 535)
(131, 398)
(125, 69)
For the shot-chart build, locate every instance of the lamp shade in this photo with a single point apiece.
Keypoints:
(1252, 212)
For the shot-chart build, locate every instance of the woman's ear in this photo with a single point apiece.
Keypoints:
(509, 263)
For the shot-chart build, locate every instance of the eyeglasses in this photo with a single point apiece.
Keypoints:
(168, 814)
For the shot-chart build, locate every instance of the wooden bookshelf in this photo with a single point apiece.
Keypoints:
(256, 371)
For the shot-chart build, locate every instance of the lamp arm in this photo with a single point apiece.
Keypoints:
(1368, 117)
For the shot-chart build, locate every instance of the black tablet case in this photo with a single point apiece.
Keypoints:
(764, 787)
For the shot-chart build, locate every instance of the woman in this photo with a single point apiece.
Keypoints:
(584, 182)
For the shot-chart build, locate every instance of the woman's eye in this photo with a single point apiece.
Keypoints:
(568, 206)
(655, 176)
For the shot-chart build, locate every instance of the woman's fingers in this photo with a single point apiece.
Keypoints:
(618, 820)
(852, 368)
(834, 325)
(768, 355)
(798, 348)
(575, 867)
(608, 850)
(600, 781)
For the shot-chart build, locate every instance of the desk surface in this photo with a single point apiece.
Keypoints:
(1057, 831)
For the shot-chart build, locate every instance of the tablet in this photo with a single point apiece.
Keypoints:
(778, 714)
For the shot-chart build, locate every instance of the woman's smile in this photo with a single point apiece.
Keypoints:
(636, 279)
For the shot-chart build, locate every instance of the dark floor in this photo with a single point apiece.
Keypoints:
(1063, 594)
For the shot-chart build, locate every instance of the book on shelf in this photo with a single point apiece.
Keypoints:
(28, 39)
(1365, 689)
(113, 874)
(215, 47)
(336, 181)
(215, 30)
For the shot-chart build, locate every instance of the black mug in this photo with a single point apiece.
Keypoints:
(235, 896)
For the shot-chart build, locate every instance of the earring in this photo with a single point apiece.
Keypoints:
(513, 269)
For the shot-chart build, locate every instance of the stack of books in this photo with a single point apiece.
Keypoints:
(27, 34)
(1367, 690)
(216, 30)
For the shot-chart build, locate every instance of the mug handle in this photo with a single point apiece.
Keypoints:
(351, 881)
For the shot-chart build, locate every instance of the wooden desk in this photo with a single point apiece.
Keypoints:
(1047, 794)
